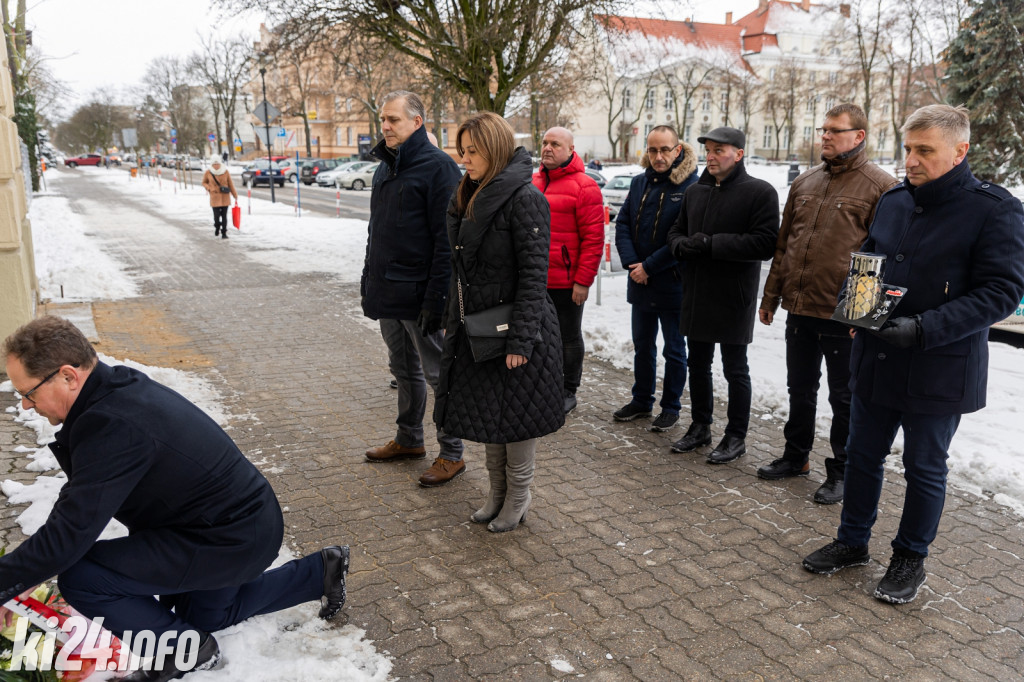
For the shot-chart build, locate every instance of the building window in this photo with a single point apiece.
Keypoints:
(686, 133)
(647, 129)
(771, 74)
(337, 137)
(705, 129)
(810, 105)
(652, 97)
(767, 137)
(881, 139)
(348, 104)
(808, 132)
(337, 104)
(348, 140)
(705, 102)
(444, 137)
(833, 77)
(670, 100)
(723, 101)
(627, 99)
(829, 103)
(810, 77)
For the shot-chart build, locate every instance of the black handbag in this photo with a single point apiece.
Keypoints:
(483, 326)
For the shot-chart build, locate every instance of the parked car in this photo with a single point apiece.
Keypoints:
(328, 178)
(84, 160)
(262, 172)
(596, 177)
(114, 159)
(358, 179)
(614, 193)
(291, 168)
(756, 160)
(311, 169)
(192, 163)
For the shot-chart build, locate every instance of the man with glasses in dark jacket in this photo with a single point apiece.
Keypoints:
(654, 288)
(405, 276)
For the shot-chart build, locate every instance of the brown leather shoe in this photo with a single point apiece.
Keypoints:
(442, 471)
(393, 452)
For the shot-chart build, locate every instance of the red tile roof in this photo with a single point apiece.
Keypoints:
(727, 37)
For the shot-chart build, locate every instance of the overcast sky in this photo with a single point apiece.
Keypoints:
(109, 43)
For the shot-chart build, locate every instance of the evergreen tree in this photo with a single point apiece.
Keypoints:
(986, 73)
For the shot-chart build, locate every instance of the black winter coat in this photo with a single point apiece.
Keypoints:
(407, 260)
(503, 249)
(199, 514)
(641, 231)
(957, 244)
(741, 216)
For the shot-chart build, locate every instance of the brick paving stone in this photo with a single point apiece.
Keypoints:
(634, 563)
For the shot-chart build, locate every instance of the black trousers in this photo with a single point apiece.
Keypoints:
(220, 219)
(808, 340)
(702, 392)
(570, 323)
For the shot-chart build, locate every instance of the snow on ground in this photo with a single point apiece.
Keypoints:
(985, 457)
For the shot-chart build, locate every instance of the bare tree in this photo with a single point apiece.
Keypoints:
(224, 65)
(94, 125)
(484, 49)
(870, 38)
(171, 92)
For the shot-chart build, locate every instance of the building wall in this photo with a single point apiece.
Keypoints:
(18, 285)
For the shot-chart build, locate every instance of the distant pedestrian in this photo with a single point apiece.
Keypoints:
(406, 275)
(825, 219)
(217, 182)
(957, 244)
(654, 288)
(577, 241)
(595, 164)
(504, 392)
(728, 224)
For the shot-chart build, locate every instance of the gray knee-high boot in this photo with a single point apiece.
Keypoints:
(519, 476)
(494, 459)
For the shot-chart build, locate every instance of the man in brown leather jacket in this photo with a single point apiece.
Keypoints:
(826, 218)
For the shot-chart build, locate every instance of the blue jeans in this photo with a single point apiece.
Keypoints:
(926, 439)
(645, 358)
(128, 604)
(702, 391)
(415, 361)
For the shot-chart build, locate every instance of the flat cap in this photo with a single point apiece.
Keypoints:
(725, 135)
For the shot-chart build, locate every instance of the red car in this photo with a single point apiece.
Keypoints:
(84, 160)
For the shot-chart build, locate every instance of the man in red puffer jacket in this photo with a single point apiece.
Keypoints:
(577, 239)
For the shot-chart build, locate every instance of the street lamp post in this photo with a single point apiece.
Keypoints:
(266, 123)
(814, 119)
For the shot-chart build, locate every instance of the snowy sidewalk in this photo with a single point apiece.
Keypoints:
(634, 563)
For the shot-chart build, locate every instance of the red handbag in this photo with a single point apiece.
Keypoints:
(236, 216)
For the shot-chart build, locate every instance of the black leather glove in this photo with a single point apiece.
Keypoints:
(700, 242)
(902, 332)
(429, 322)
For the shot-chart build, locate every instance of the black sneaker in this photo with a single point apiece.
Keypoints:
(336, 561)
(696, 436)
(664, 421)
(903, 579)
(835, 556)
(630, 412)
(783, 468)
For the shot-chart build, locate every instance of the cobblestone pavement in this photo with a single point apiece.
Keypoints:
(634, 563)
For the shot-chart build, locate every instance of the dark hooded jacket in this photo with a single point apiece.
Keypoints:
(741, 218)
(642, 226)
(407, 260)
(501, 250)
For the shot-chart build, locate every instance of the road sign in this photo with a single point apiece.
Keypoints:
(174, 132)
(281, 132)
(130, 137)
(211, 137)
(174, 140)
(266, 112)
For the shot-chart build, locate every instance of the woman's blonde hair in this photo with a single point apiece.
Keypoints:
(494, 140)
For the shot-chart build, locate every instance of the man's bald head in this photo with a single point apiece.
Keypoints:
(556, 147)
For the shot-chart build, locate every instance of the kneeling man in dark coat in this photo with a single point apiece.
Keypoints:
(203, 523)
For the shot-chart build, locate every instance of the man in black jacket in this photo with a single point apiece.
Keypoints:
(728, 224)
(203, 523)
(406, 273)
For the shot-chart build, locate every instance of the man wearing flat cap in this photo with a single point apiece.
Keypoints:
(729, 222)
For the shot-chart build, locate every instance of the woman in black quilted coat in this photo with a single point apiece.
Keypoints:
(506, 393)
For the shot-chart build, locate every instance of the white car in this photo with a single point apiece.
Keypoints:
(327, 178)
(358, 179)
(615, 192)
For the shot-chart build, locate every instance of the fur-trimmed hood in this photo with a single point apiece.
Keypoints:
(685, 164)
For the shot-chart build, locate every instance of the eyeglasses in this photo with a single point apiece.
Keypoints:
(663, 151)
(833, 131)
(27, 395)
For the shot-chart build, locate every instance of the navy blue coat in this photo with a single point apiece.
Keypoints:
(199, 514)
(408, 264)
(642, 226)
(957, 244)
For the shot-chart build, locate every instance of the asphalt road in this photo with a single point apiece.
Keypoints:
(322, 200)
